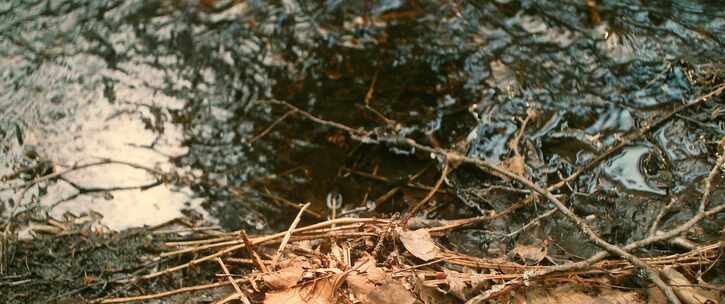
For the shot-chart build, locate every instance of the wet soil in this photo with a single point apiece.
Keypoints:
(187, 88)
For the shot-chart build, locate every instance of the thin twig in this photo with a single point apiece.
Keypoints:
(239, 293)
(289, 203)
(167, 293)
(579, 222)
(287, 235)
(646, 128)
(253, 252)
(271, 126)
(532, 222)
(412, 211)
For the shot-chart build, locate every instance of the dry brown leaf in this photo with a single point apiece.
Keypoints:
(284, 278)
(515, 164)
(366, 264)
(321, 291)
(530, 254)
(391, 292)
(572, 294)
(339, 254)
(419, 243)
(360, 286)
(431, 295)
(655, 296)
(684, 291)
(456, 283)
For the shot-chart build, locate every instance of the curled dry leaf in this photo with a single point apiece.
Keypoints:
(419, 243)
(284, 278)
(684, 290)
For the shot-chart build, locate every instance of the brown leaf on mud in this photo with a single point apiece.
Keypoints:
(284, 278)
(391, 292)
(419, 243)
(572, 294)
(515, 164)
(530, 254)
(684, 290)
(321, 291)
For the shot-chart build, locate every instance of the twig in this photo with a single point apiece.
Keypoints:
(271, 126)
(514, 143)
(167, 293)
(412, 211)
(579, 222)
(56, 174)
(289, 203)
(322, 121)
(532, 222)
(646, 128)
(369, 95)
(253, 253)
(660, 215)
(287, 235)
(240, 294)
(455, 224)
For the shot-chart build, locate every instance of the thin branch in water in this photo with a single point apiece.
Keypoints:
(271, 126)
(431, 193)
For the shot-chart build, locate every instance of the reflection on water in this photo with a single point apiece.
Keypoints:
(626, 168)
(182, 86)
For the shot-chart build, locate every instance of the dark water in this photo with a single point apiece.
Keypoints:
(185, 86)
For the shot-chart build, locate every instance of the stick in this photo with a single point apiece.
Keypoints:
(412, 211)
(240, 294)
(287, 235)
(167, 293)
(253, 253)
(271, 126)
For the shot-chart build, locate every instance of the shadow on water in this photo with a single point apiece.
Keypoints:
(187, 87)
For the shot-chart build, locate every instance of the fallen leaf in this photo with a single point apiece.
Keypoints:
(456, 283)
(431, 295)
(530, 254)
(655, 296)
(515, 164)
(360, 286)
(686, 291)
(573, 294)
(390, 292)
(419, 243)
(366, 264)
(284, 278)
(321, 291)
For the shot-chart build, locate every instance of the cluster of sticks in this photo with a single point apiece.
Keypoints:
(504, 275)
